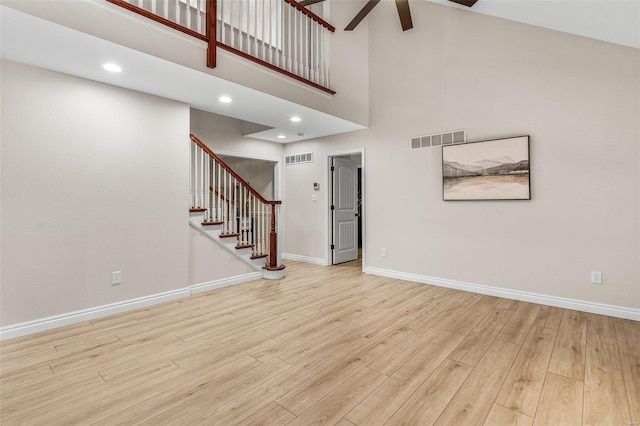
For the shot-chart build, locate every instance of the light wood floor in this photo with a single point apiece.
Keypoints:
(328, 345)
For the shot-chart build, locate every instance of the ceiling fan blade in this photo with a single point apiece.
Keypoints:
(360, 16)
(467, 3)
(405, 14)
(306, 3)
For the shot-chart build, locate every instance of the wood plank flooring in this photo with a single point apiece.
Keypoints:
(328, 346)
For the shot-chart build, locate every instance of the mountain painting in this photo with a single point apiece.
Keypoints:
(488, 170)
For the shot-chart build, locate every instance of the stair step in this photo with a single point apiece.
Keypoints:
(259, 256)
(198, 210)
(243, 246)
(229, 235)
(211, 223)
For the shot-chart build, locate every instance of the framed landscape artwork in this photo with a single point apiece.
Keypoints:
(488, 170)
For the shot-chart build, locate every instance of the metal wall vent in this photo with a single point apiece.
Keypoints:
(438, 139)
(298, 159)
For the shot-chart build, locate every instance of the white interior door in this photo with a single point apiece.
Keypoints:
(345, 210)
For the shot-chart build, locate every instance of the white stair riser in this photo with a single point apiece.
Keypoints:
(213, 233)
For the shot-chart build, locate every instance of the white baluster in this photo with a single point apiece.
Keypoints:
(191, 160)
(197, 177)
(265, 27)
(210, 189)
(241, 213)
(205, 183)
(316, 45)
(296, 40)
(232, 23)
(235, 205)
(187, 12)
(261, 228)
(253, 226)
(199, 26)
(245, 207)
(203, 172)
(223, 199)
(287, 52)
(229, 206)
(220, 9)
(216, 189)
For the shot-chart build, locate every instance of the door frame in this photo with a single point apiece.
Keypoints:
(363, 210)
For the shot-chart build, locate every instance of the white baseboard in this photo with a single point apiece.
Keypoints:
(560, 302)
(305, 259)
(226, 282)
(43, 324)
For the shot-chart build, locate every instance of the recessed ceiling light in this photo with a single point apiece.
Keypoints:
(111, 67)
(295, 119)
(224, 99)
(281, 137)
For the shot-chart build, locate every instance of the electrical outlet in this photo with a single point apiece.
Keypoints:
(596, 277)
(383, 252)
(116, 278)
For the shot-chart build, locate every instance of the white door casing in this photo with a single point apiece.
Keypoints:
(345, 210)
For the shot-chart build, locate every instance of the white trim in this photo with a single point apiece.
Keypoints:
(225, 282)
(560, 302)
(363, 209)
(43, 324)
(305, 259)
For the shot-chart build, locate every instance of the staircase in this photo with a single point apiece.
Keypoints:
(227, 210)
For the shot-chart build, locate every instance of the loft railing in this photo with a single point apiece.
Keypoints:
(228, 200)
(279, 34)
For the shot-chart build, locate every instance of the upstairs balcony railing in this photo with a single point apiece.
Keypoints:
(279, 34)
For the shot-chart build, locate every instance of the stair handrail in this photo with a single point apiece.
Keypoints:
(232, 172)
(311, 15)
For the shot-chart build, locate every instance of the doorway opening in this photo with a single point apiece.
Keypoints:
(346, 216)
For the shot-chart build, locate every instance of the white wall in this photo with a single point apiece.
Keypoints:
(209, 261)
(579, 99)
(225, 134)
(94, 180)
(257, 173)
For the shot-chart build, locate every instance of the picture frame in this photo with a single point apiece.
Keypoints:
(497, 169)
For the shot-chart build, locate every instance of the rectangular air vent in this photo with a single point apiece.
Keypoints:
(298, 158)
(438, 139)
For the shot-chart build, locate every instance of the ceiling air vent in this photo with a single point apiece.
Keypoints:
(298, 159)
(438, 139)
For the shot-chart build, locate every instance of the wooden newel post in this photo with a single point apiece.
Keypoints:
(273, 244)
(212, 19)
(273, 240)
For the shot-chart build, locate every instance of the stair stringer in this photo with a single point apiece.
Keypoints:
(213, 233)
